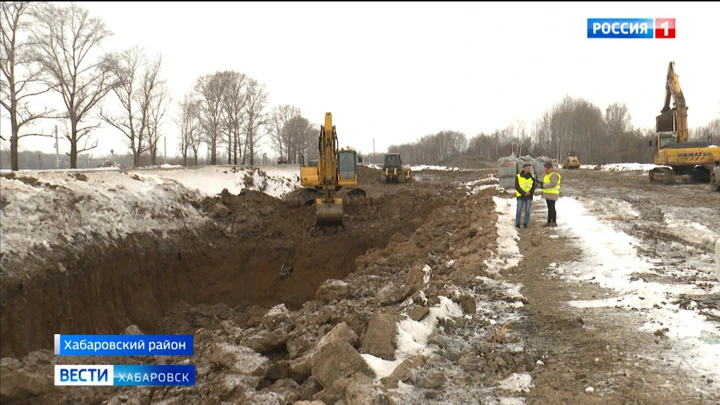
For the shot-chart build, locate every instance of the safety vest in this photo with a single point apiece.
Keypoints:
(546, 180)
(525, 184)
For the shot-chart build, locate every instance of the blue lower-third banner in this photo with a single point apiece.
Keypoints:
(125, 375)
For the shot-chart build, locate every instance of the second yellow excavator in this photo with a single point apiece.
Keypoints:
(674, 155)
(334, 169)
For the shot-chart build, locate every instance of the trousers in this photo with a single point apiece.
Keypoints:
(552, 215)
(522, 203)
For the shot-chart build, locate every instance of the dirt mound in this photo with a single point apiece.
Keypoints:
(367, 175)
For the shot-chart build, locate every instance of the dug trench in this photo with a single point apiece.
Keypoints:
(255, 252)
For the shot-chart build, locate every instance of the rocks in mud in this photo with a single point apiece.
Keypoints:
(284, 391)
(404, 371)
(19, 383)
(418, 313)
(380, 336)
(467, 302)
(240, 360)
(360, 390)
(337, 361)
(392, 294)
(219, 211)
(417, 275)
(430, 380)
(277, 316)
(301, 367)
(264, 341)
(132, 330)
(332, 290)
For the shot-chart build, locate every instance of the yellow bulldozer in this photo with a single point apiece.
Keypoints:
(673, 154)
(323, 179)
(571, 161)
(393, 170)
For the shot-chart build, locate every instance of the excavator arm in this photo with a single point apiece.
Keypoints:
(673, 119)
(327, 163)
(329, 208)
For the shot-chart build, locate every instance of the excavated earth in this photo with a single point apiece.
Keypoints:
(281, 310)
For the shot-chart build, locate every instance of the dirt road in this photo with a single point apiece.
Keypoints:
(538, 321)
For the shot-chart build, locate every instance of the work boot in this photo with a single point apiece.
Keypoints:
(524, 225)
(517, 226)
(553, 224)
(547, 225)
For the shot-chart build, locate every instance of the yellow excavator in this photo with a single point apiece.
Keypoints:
(673, 154)
(323, 179)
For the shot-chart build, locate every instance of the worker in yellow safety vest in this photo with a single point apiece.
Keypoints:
(524, 189)
(551, 192)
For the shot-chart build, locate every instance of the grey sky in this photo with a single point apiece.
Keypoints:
(398, 71)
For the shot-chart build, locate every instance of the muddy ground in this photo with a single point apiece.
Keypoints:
(252, 286)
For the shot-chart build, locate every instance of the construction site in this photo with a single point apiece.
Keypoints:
(421, 295)
(508, 214)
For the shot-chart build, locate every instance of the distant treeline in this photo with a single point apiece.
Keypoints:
(573, 125)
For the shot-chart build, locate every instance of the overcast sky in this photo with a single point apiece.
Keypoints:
(395, 72)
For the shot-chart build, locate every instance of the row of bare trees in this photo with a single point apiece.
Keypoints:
(143, 98)
(48, 48)
(431, 149)
(572, 125)
(292, 135)
(56, 49)
(224, 109)
(52, 49)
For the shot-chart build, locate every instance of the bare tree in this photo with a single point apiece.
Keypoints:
(136, 79)
(302, 138)
(64, 37)
(16, 87)
(617, 119)
(158, 99)
(278, 118)
(189, 127)
(234, 100)
(254, 117)
(210, 92)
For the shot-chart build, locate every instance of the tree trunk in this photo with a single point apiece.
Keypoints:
(73, 144)
(230, 143)
(14, 141)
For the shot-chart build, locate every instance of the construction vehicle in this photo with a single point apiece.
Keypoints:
(673, 154)
(571, 161)
(393, 170)
(322, 181)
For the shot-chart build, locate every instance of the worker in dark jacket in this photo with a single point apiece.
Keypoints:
(524, 189)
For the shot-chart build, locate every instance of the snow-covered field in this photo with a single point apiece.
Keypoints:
(109, 203)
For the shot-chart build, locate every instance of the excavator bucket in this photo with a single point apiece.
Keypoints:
(329, 214)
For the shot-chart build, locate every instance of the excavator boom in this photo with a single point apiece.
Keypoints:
(329, 210)
(673, 119)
